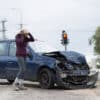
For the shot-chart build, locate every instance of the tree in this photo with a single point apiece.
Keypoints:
(95, 40)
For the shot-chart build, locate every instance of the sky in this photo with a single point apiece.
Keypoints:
(46, 19)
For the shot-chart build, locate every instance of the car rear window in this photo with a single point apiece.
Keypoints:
(3, 50)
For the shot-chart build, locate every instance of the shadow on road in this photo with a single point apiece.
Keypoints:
(37, 86)
(56, 87)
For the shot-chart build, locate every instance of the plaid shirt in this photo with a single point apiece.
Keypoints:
(21, 44)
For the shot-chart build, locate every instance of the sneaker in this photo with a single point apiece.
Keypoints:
(16, 89)
(22, 87)
(16, 86)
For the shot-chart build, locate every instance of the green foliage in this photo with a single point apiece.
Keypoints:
(98, 63)
(95, 40)
(98, 66)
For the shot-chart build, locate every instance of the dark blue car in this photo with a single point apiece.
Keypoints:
(48, 67)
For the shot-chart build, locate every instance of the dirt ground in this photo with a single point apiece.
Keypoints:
(34, 92)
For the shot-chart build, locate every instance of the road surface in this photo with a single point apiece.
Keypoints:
(34, 92)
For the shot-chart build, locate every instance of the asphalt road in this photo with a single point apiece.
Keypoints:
(34, 92)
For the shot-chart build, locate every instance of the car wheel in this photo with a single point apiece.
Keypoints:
(10, 81)
(46, 78)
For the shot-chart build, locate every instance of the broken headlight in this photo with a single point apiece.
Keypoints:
(60, 65)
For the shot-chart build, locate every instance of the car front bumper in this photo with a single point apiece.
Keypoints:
(89, 81)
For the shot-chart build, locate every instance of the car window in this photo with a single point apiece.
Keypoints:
(3, 50)
(12, 51)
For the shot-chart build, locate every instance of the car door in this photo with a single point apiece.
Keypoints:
(12, 65)
(3, 58)
(32, 66)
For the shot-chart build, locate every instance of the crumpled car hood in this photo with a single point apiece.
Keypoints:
(74, 57)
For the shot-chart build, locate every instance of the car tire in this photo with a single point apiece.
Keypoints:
(10, 81)
(46, 78)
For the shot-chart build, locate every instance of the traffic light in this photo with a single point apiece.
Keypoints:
(64, 38)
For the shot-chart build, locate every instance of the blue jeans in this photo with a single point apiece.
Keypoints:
(22, 67)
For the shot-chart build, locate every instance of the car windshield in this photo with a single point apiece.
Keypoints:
(41, 47)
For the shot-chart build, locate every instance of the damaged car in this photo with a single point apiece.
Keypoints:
(47, 65)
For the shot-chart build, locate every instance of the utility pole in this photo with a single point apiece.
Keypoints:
(65, 47)
(3, 30)
(20, 14)
(21, 26)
